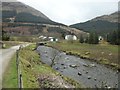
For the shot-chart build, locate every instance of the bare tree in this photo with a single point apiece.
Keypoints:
(55, 56)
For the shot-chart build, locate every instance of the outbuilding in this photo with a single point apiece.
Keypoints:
(100, 38)
(70, 37)
(53, 39)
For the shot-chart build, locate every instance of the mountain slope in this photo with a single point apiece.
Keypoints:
(110, 18)
(20, 7)
(102, 24)
(23, 13)
(22, 20)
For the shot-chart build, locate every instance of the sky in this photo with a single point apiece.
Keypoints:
(73, 11)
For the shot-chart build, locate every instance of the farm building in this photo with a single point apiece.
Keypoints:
(100, 38)
(46, 38)
(70, 37)
(53, 39)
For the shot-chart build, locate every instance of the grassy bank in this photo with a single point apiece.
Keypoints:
(101, 53)
(35, 74)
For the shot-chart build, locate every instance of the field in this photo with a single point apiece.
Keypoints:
(35, 74)
(102, 53)
(9, 44)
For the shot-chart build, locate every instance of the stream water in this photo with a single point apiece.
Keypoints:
(90, 74)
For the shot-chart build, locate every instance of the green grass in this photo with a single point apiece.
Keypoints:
(9, 44)
(30, 38)
(10, 76)
(32, 68)
(102, 53)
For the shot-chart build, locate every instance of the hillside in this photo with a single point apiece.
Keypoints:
(22, 20)
(102, 24)
(23, 29)
(20, 12)
(110, 18)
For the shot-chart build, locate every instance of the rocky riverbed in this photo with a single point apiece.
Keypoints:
(90, 74)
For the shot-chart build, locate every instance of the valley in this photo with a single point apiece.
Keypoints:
(83, 55)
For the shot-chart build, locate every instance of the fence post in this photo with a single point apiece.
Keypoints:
(19, 69)
(17, 64)
(20, 82)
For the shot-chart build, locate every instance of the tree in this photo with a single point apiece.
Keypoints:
(5, 36)
(86, 39)
(95, 39)
(54, 57)
(63, 35)
(118, 37)
(108, 37)
(81, 40)
(90, 40)
(114, 37)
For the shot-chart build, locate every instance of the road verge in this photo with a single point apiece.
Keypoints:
(35, 74)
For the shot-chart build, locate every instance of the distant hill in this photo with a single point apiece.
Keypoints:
(101, 25)
(110, 18)
(23, 13)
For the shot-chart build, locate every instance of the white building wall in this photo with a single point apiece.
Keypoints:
(70, 37)
(74, 37)
(51, 40)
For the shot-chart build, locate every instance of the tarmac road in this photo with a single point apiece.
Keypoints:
(5, 57)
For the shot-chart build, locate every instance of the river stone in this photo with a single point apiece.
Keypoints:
(95, 79)
(73, 66)
(64, 67)
(61, 71)
(92, 65)
(79, 73)
(62, 64)
(89, 77)
(57, 68)
(86, 72)
(66, 58)
(108, 87)
(86, 65)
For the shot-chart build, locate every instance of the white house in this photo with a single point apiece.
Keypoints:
(53, 39)
(44, 37)
(50, 37)
(70, 37)
(100, 38)
(41, 36)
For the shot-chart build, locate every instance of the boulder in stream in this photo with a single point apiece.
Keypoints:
(45, 51)
(73, 66)
(92, 65)
(64, 67)
(62, 64)
(57, 68)
(95, 79)
(79, 73)
(86, 72)
(67, 58)
(89, 77)
(86, 65)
